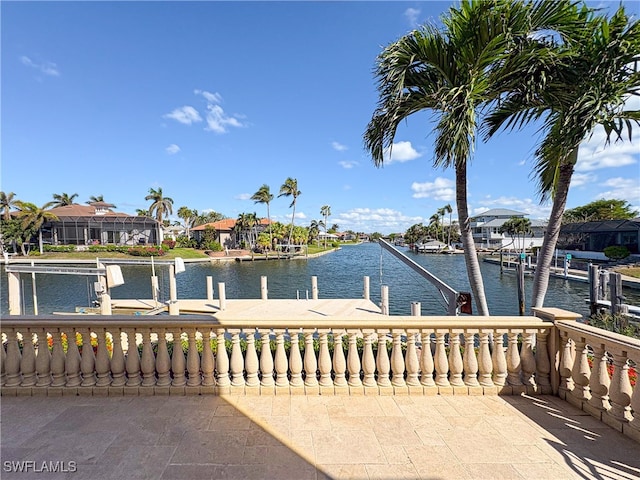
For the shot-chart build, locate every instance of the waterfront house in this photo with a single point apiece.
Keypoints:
(486, 230)
(98, 224)
(589, 239)
(226, 234)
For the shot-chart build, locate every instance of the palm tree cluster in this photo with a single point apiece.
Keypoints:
(496, 64)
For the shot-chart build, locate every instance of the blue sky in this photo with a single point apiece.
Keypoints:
(209, 100)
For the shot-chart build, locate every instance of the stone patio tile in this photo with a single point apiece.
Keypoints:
(347, 447)
(395, 454)
(134, 461)
(428, 454)
(340, 472)
(396, 435)
(216, 448)
(441, 471)
(188, 472)
(389, 406)
(492, 471)
(392, 472)
(545, 471)
(229, 423)
(349, 423)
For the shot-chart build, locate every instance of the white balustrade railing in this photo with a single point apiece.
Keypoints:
(546, 354)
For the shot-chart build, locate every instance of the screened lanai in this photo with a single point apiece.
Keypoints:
(596, 236)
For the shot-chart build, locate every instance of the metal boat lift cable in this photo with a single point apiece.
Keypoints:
(449, 295)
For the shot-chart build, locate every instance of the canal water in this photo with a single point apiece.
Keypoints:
(340, 275)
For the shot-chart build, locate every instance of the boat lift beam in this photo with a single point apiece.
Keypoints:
(449, 294)
(58, 270)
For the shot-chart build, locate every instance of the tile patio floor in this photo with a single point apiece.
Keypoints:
(312, 437)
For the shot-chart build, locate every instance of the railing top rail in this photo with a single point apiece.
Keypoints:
(335, 322)
(595, 335)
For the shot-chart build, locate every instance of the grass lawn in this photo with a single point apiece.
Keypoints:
(629, 271)
(169, 255)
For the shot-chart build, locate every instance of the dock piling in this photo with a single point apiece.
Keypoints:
(365, 293)
(222, 295)
(263, 287)
(314, 287)
(210, 288)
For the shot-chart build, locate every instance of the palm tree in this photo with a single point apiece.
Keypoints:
(447, 209)
(441, 212)
(264, 195)
(517, 227)
(188, 216)
(95, 199)
(450, 73)
(32, 218)
(7, 202)
(325, 211)
(160, 205)
(588, 86)
(142, 212)
(61, 200)
(314, 230)
(434, 222)
(290, 189)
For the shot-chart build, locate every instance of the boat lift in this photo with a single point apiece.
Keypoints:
(456, 301)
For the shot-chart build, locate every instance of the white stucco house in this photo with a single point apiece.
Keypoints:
(486, 230)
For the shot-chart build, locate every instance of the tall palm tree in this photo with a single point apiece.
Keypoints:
(264, 195)
(32, 218)
(441, 212)
(325, 211)
(61, 200)
(434, 221)
(7, 202)
(314, 230)
(290, 189)
(161, 206)
(449, 72)
(189, 217)
(447, 209)
(596, 73)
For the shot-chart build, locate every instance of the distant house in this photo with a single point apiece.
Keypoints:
(225, 233)
(97, 224)
(485, 229)
(596, 236)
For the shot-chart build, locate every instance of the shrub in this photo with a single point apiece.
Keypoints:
(146, 251)
(168, 244)
(616, 252)
(212, 245)
(184, 242)
(59, 248)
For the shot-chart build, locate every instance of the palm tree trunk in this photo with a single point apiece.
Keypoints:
(293, 216)
(270, 235)
(470, 255)
(543, 266)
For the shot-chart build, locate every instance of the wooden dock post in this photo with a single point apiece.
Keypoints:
(210, 288)
(615, 293)
(314, 287)
(365, 293)
(384, 299)
(521, 299)
(222, 295)
(264, 293)
(594, 284)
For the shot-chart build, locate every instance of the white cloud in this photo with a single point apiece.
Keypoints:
(347, 164)
(338, 146)
(185, 115)
(217, 120)
(411, 15)
(48, 68)
(594, 155)
(172, 149)
(243, 196)
(581, 179)
(385, 220)
(525, 205)
(401, 152)
(211, 97)
(301, 215)
(522, 163)
(439, 189)
(623, 189)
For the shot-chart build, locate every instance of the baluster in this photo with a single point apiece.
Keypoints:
(411, 361)
(621, 391)
(324, 359)
(441, 362)
(566, 363)
(527, 360)
(266, 359)
(178, 362)
(281, 363)
(103, 365)
(635, 401)
(148, 360)
(208, 365)
(455, 360)
(57, 360)
(251, 361)
(132, 362)
(499, 360)
(397, 361)
(353, 359)
(193, 360)
(513, 360)
(237, 361)
(28, 361)
(426, 361)
(163, 362)
(43, 360)
(87, 360)
(73, 360)
(580, 371)
(117, 360)
(484, 360)
(599, 380)
(222, 360)
(12, 364)
(382, 360)
(295, 360)
(470, 361)
(543, 363)
(3, 360)
(368, 361)
(310, 362)
(339, 362)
